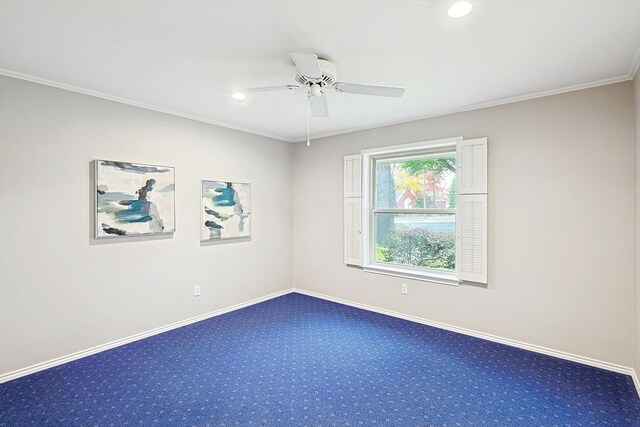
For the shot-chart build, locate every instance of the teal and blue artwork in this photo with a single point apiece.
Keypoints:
(134, 199)
(226, 210)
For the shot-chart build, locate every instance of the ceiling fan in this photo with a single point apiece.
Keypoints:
(318, 74)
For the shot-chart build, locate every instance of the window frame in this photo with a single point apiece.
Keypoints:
(369, 264)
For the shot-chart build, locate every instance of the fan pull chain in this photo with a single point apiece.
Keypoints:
(308, 114)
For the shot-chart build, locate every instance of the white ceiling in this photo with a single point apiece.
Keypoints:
(183, 56)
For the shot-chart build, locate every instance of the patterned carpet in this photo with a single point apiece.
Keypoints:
(302, 361)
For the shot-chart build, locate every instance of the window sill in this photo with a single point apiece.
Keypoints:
(408, 273)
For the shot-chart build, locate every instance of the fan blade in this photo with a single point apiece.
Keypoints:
(307, 64)
(265, 89)
(319, 106)
(393, 92)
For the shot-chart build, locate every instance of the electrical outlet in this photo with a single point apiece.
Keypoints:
(405, 288)
(196, 291)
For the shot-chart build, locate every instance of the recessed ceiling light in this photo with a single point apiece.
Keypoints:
(239, 96)
(460, 9)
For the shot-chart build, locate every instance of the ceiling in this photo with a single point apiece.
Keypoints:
(182, 57)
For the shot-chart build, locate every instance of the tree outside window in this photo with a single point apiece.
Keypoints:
(414, 214)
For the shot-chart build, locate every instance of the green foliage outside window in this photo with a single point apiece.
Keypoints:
(419, 248)
(428, 183)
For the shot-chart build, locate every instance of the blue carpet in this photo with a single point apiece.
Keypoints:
(297, 360)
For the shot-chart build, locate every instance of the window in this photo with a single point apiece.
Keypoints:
(419, 210)
(414, 214)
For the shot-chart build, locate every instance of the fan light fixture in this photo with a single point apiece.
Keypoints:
(460, 9)
(317, 76)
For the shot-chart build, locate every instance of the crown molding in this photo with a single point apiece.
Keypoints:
(480, 106)
(133, 103)
(629, 76)
(635, 65)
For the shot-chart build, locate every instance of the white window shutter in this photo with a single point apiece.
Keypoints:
(471, 221)
(472, 238)
(352, 231)
(352, 176)
(472, 166)
(353, 210)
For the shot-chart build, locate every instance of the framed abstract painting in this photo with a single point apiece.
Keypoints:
(134, 199)
(226, 210)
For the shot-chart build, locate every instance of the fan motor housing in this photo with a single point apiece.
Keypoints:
(329, 73)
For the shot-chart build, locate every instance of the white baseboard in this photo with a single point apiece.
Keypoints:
(513, 343)
(97, 349)
(636, 381)
(531, 347)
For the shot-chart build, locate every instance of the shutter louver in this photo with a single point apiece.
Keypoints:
(352, 179)
(471, 257)
(472, 238)
(472, 166)
(352, 234)
(352, 210)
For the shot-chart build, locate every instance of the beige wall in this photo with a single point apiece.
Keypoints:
(636, 331)
(560, 223)
(60, 290)
(560, 263)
